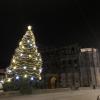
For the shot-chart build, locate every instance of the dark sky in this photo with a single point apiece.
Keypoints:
(55, 23)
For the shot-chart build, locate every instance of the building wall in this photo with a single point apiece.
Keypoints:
(89, 66)
(72, 65)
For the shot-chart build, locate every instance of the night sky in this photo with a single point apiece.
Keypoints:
(55, 23)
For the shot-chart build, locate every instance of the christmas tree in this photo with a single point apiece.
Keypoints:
(26, 62)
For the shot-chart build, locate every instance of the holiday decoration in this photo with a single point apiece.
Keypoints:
(26, 62)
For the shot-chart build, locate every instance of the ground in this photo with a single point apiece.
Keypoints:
(64, 94)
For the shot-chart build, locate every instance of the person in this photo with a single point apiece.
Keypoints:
(76, 85)
(94, 87)
(53, 82)
(98, 97)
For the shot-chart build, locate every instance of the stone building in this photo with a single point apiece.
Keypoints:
(89, 67)
(71, 66)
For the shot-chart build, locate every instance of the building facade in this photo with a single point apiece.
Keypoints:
(70, 66)
(89, 67)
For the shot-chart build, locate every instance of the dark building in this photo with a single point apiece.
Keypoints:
(68, 67)
(89, 67)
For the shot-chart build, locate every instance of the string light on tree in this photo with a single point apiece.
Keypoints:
(2, 81)
(17, 77)
(14, 67)
(9, 80)
(9, 71)
(29, 28)
(23, 47)
(20, 43)
(14, 60)
(25, 76)
(32, 78)
(34, 46)
(36, 50)
(38, 54)
(21, 54)
(34, 68)
(24, 67)
(26, 60)
(31, 45)
(28, 41)
(36, 58)
(40, 70)
(40, 59)
(30, 56)
(40, 78)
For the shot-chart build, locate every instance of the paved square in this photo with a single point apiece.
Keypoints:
(85, 94)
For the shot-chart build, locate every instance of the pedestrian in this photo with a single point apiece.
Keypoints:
(94, 87)
(98, 97)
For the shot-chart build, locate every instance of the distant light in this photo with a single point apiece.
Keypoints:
(87, 49)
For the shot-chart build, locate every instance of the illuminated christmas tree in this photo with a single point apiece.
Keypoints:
(26, 62)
